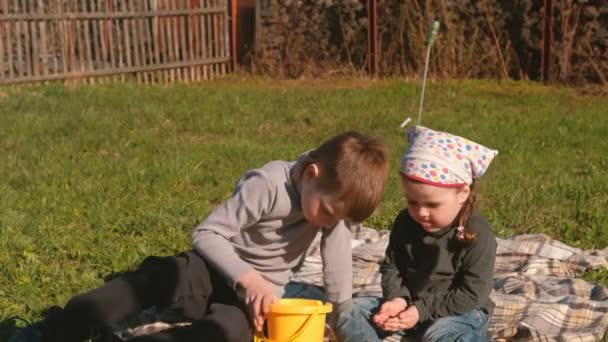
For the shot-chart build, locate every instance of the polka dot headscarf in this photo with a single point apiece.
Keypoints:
(444, 159)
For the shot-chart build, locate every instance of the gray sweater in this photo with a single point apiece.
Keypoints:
(261, 227)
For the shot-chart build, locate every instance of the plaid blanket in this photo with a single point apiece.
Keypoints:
(538, 291)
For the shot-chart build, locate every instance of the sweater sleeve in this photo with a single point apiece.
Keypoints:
(336, 254)
(253, 197)
(394, 282)
(472, 286)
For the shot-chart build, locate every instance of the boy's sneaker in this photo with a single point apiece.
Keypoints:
(34, 331)
(31, 333)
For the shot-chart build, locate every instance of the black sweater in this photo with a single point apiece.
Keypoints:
(437, 273)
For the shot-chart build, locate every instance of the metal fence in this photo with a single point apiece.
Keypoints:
(154, 40)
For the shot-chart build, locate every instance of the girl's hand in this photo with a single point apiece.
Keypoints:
(259, 294)
(389, 309)
(406, 319)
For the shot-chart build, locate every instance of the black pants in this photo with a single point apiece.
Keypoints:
(184, 284)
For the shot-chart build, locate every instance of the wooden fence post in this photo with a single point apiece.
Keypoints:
(372, 37)
(547, 41)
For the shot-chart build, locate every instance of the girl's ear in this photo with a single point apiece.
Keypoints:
(463, 194)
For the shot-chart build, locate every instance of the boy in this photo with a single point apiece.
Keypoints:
(244, 250)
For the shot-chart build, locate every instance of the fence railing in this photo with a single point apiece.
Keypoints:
(154, 40)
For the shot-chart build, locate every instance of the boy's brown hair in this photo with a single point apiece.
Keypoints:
(356, 166)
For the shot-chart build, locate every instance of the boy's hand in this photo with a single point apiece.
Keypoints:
(406, 319)
(389, 309)
(259, 294)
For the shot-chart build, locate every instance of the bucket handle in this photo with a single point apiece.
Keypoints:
(262, 338)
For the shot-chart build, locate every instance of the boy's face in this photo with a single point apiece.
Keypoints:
(433, 207)
(319, 207)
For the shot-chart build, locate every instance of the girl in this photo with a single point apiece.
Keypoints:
(439, 265)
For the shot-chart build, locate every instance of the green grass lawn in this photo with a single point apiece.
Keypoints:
(95, 178)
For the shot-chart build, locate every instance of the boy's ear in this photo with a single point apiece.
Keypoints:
(312, 171)
(403, 177)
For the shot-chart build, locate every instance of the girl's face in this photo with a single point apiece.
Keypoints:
(433, 207)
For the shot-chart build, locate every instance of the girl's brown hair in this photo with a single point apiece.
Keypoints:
(465, 235)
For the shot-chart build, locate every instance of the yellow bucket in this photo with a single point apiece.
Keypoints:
(296, 320)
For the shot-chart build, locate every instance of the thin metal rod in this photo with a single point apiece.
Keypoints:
(426, 70)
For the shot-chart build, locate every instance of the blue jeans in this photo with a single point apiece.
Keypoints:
(355, 325)
(306, 291)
